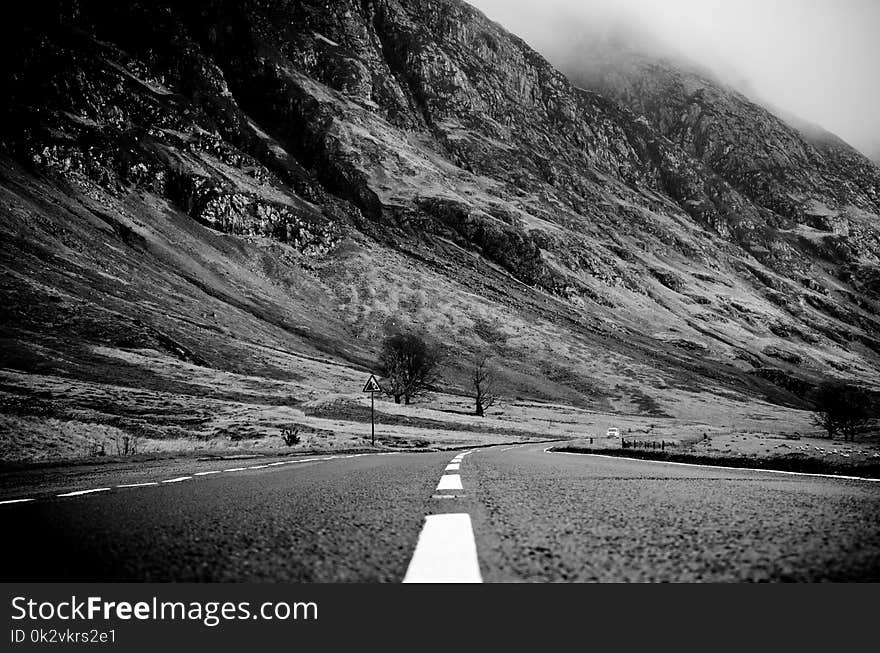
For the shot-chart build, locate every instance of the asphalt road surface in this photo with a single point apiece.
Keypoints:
(502, 514)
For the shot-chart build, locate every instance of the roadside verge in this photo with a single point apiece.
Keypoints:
(791, 464)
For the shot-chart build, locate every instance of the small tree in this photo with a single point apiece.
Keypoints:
(409, 366)
(290, 436)
(484, 385)
(841, 408)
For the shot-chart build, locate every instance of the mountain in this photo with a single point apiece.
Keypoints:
(874, 154)
(215, 207)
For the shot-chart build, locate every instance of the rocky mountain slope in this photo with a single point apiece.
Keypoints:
(811, 185)
(255, 189)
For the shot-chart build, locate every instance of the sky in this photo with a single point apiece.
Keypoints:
(818, 60)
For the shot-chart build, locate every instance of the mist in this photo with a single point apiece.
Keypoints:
(816, 60)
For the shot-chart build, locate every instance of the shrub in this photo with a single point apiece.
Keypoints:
(126, 445)
(290, 436)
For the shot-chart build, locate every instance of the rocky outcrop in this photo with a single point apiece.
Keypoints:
(792, 176)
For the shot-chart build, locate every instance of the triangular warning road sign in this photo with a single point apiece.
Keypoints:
(372, 385)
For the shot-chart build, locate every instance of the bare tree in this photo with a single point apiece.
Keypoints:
(409, 366)
(126, 445)
(483, 382)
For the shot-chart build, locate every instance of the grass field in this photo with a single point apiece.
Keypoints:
(56, 419)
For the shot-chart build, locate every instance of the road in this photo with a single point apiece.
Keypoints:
(500, 514)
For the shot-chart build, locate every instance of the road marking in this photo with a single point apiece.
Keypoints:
(446, 552)
(81, 492)
(180, 479)
(448, 496)
(739, 469)
(450, 482)
(453, 467)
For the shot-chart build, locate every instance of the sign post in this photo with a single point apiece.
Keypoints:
(372, 386)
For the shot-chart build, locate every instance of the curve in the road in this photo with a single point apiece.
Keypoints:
(705, 466)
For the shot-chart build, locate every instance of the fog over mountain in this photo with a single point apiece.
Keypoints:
(814, 60)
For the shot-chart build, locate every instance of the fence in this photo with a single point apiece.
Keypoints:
(652, 445)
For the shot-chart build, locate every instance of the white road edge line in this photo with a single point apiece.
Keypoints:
(446, 552)
(739, 469)
(8, 501)
(450, 482)
(186, 478)
(81, 492)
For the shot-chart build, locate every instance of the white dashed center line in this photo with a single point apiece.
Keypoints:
(14, 501)
(215, 471)
(178, 479)
(446, 552)
(138, 484)
(453, 467)
(450, 482)
(235, 469)
(81, 492)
